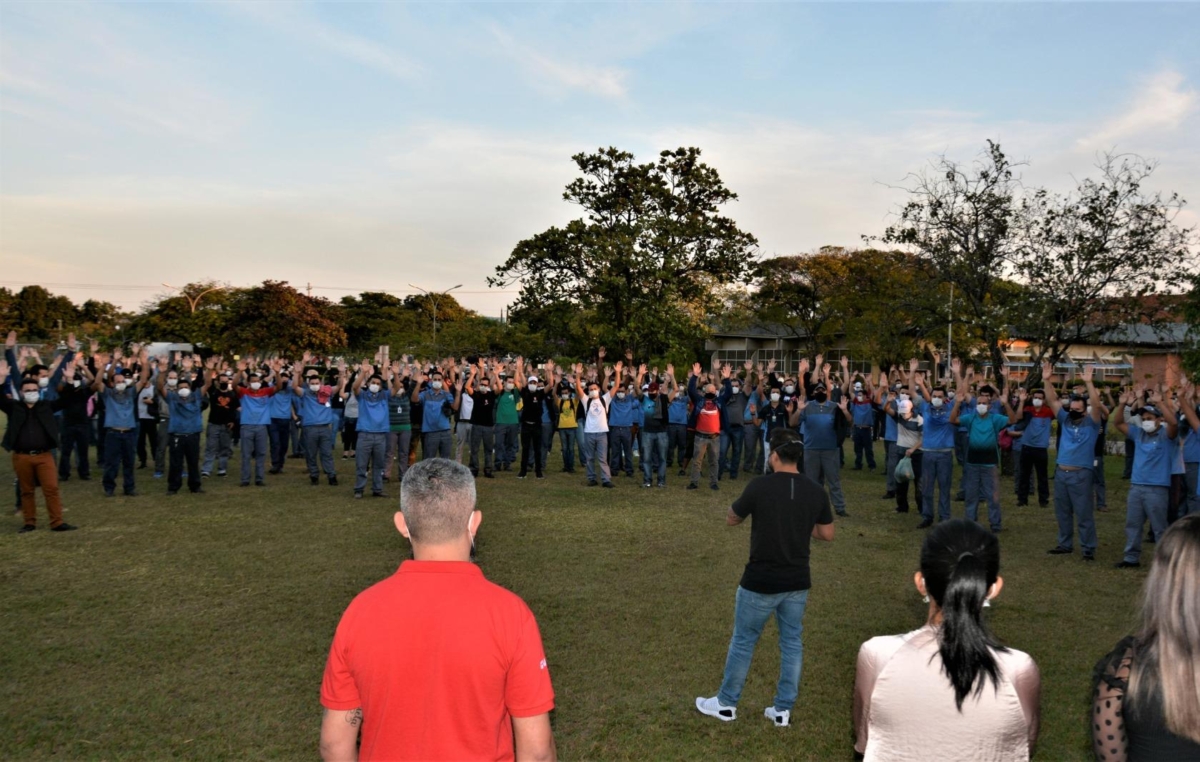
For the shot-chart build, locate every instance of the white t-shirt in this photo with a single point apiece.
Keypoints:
(464, 409)
(596, 420)
(144, 399)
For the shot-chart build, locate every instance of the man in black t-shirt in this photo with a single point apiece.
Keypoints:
(224, 406)
(483, 417)
(533, 398)
(788, 509)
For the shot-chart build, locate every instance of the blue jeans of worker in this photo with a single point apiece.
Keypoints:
(318, 450)
(482, 437)
(508, 436)
(863, 446)
(567, 440)
(654, 455)
(1074, 502)
(280, 432)
(1099, 485)
(935, 475)
(1144, 503)
(823, 466)
(750, 615)
(596, 447)
(119, 447)
(730, 462)
(254, 446)
(620, 449)
(75, 438)
(371, 454)
(436, 444)
(983, 483)
(892, 453)
(218, 448)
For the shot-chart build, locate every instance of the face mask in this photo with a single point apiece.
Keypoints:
(1075, 415)
(485, 388)
(789, 389)
(937, 402)
(172, 382)
(533, 387)
(594, 393)
(255, 385)
(981, 409)
(436, 384)
(858, 398)
(315, 387)
(904, 396)
(566, 396)
(225, 386)
(43, 382)
(508, 387)
(76, 383)
(710, 396)
(950, 395)
(31, 397)
(121, 386)
(184, 393)
(620, 395)
(1037, 401)
(374, 388)
(1149, 426)
(819, 396)
(736, 389)
(774, 396)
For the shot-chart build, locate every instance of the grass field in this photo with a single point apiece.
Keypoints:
(197, 626)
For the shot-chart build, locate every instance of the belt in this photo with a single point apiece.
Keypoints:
(120, 431)
(1072, 468)
(707, 436)
(31, 452)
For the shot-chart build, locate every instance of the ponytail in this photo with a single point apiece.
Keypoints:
(964, 641)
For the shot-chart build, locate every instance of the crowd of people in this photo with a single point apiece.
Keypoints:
(435, 427)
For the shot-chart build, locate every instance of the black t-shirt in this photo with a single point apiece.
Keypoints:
(785, 508)
(532, 405)
(223, 406)
(484, 412)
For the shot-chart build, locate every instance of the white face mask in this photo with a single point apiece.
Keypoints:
(858, 397)
(255, 385)
(950, 395)
(315, 387)
(937, 402)
(31, 397)
(172, 382)
(533, 387)
(508, 387)
(122, 386)
(436, 384)
(374, 388)
(981, 409)
(1149, 426)
(904, 396)
(594, 394)
(774, 396)
(566, 396)
(736, 389)
(184, 393)
(76, 383)
(43, 382)
(1037, 401)
(620, 395)
(789, 388)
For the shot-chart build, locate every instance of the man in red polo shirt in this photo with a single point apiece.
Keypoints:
(435, 662)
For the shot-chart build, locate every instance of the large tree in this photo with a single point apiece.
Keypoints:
(276, 318)
(644, 263)
(199, 313)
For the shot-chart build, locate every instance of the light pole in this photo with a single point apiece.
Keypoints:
(433, 297)
(193, 301)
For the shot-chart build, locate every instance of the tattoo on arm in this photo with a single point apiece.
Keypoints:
(355, 717)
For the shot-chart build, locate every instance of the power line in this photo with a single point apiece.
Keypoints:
(129, 287)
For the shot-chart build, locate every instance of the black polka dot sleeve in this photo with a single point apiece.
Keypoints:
(1107, 719)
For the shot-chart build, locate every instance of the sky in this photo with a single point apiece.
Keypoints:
(378, 146)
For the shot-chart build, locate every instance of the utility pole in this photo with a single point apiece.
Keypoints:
(193, 301)
(433, 298)
(310, 289)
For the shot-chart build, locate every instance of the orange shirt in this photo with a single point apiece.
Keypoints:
(440, 660)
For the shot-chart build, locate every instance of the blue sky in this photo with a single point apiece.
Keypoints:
(369, 146)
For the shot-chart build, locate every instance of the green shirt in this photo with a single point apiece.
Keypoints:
(506, 408)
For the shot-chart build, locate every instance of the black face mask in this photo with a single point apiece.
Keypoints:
(710, 396)
(1075, 415)
(820, 396)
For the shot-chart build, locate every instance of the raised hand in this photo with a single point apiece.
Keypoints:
(803, 365)
(696, 369)
(845, 361)
(771, 366)
(1021, 395)
(618, 367)
(913, 363)
(670, 370)
(600, 353)
(825, 369)
(749, 366)
(641, 370)
(1088, 372)
(577, 368)
(956, 366)
(725, 371)
(11, 340)
(629, 356)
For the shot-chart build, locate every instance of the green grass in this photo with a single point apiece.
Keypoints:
(197, 626)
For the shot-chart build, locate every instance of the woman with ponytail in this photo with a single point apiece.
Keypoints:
(948, 691)
(1147, 697)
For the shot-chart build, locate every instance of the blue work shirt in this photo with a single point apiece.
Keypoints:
(1191, 442)
(889, 423)
(677, 411)
(1153, 457)
(120, 408)
(819, 424)
(983, 437)
(433, 413)
(939, 432)
(1037, 426)
(373, 410)
(256, 410)
(1077, 445)
(281, 404)
(312, 411)
(185, 413)
(863, 412)
(622, 412)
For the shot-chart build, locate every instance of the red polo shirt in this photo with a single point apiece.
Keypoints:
(440, 660)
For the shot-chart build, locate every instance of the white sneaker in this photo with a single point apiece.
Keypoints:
(781, 718)
(714, 708)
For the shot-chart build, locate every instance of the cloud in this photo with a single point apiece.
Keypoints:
(295, 21)
(1164, 103)
(607, 82)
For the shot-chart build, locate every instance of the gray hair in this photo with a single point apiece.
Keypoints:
(437, 497)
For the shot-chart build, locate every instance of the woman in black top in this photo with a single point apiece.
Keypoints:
(1147, 696)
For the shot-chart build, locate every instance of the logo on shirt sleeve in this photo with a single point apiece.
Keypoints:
(542, 665)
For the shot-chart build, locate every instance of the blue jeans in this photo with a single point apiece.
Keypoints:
(1144, 502)
(935, 475)
(119, 448)
(654, 455)
(863, 445)
(731, 437)
(620, 449)
(281, 433)
(750, 615)
(982, 483)
(596, 447)
(566, 438)
(254, 448)
(1074, 501)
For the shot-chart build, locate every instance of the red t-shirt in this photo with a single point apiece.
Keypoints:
(440, 660)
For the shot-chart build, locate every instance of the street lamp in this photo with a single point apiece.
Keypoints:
(433, 297)
(193, 301)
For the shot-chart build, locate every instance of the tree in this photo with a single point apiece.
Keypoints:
(1191, 315)
(172, 318)
(276, 318)
(1098, 258)
(646, 259)
(961, 220)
